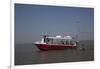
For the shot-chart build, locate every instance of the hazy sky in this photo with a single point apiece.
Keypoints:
(32, 21)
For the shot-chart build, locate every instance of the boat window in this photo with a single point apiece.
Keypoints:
(46, 40)
(71, 43)
(77, 43)
(58, 41)
(67, 43)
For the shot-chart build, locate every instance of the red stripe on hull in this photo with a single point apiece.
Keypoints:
(52, 47)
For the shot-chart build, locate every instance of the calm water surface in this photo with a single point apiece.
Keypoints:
(29, 54)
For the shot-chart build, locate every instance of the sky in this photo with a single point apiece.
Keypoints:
(34, 21)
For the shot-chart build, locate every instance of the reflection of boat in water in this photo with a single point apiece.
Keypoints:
(58, 42)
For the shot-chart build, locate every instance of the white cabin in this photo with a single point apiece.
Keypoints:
(66, 40)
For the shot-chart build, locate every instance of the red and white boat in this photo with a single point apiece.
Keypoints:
(58, 42)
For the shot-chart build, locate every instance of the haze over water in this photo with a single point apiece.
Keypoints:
(33, 21)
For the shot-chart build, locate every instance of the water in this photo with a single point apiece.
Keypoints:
(26, 54)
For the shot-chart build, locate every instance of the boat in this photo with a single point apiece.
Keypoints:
(56, 43)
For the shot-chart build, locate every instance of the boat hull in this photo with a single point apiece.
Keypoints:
(54, 46)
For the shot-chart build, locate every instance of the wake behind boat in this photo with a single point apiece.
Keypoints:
(56, 43)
